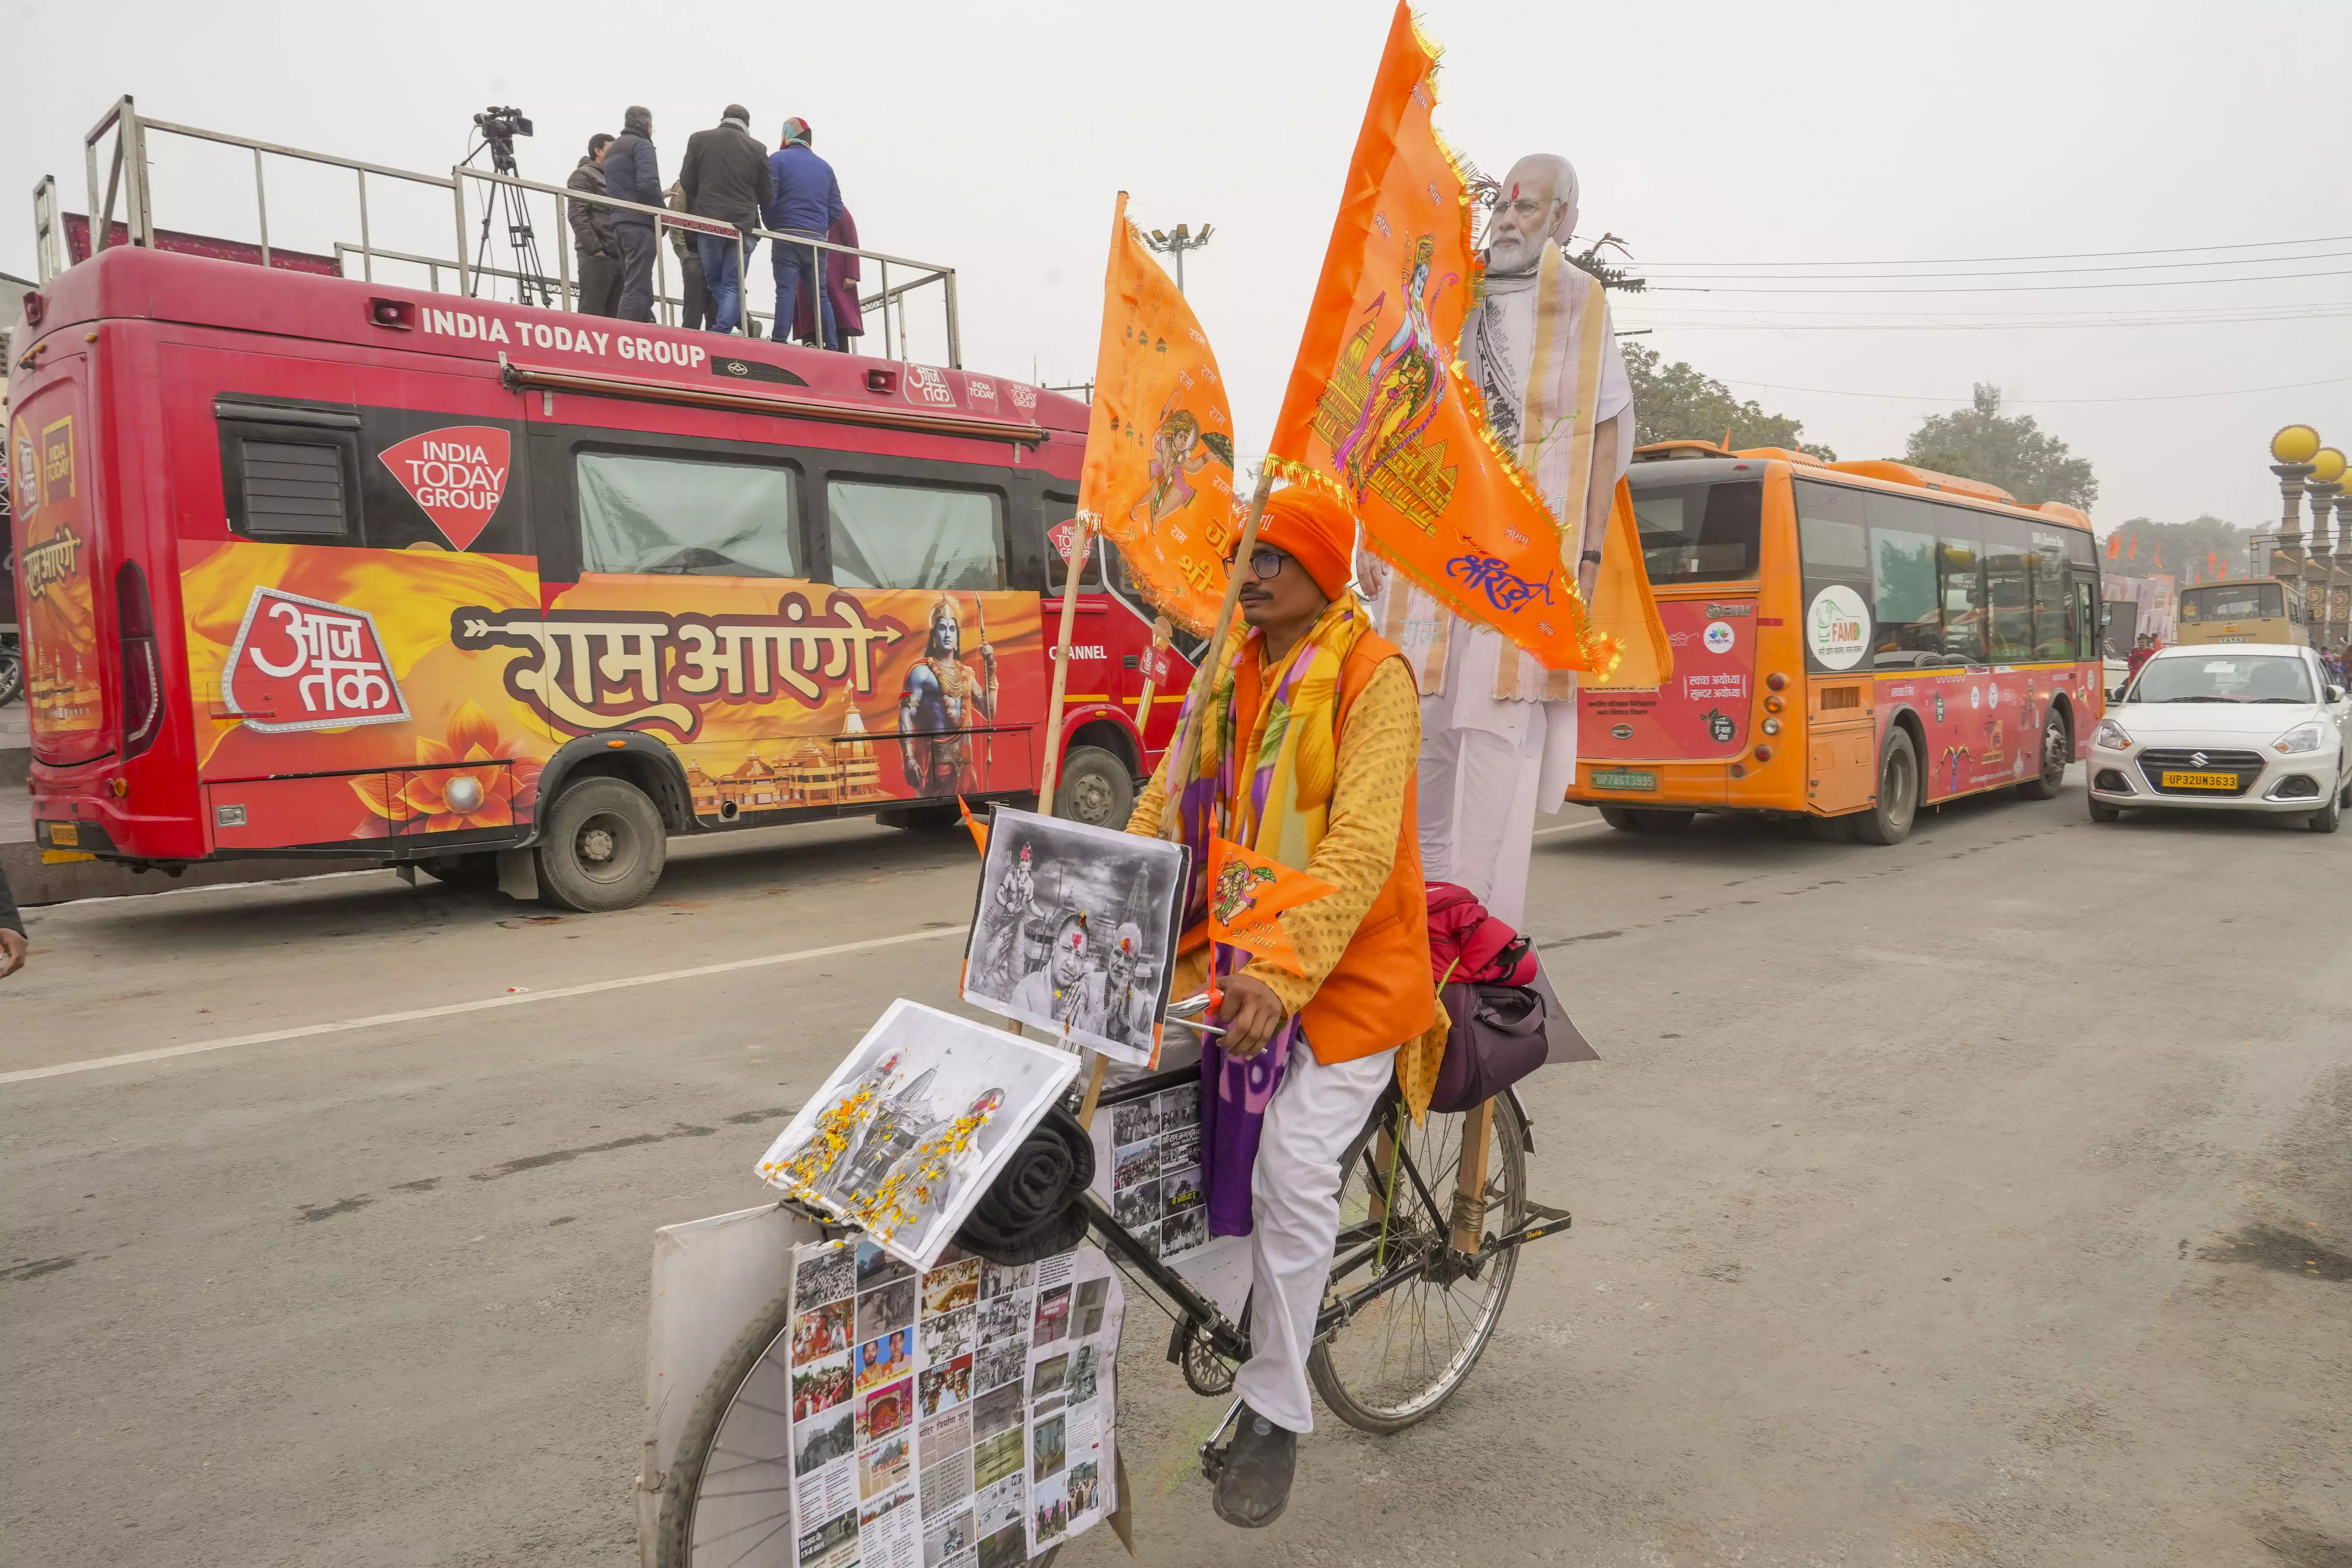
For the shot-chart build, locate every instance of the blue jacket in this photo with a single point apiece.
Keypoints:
(808, 197)
(632, 173)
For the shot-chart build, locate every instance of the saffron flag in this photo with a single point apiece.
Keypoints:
(1247, 891)
(1379, 408)
(2114, 545)
(979, 828)
(1159, 476)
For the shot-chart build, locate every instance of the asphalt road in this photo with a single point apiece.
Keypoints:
(1986, 1199)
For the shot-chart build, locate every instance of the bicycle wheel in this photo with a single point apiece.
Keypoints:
(1406, 1353)
(727, 1501)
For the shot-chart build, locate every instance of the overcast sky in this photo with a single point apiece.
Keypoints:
(993, 138)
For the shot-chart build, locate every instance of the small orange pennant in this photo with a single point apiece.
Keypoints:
(979, 828)
(1247, 891)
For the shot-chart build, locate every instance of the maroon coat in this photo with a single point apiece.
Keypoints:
(841, 278)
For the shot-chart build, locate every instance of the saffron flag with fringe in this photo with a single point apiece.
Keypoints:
(1379, 407)
(1159, 476)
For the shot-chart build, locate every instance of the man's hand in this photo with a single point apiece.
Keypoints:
(13, 948)
(1251, 1013)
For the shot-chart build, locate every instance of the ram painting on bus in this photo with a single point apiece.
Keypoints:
(316, 566)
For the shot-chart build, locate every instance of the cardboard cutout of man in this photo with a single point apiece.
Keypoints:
(1498, 731)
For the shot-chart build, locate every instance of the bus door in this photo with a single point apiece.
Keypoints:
(58, 565)
(364, 509)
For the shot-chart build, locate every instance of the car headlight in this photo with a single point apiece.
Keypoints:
(2302, 738)
(2110, 736)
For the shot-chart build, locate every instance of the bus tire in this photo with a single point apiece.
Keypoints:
(603, 847)
(1657, 821)
(1622, 819)
(1095, 788)
(1889, 818)
(2057, 751)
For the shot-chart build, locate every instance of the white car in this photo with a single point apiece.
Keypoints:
(2245, 727)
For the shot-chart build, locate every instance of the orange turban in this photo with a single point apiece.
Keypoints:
(1311, 526)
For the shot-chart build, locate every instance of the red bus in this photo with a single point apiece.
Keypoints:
(311, 566)
(1851, 641)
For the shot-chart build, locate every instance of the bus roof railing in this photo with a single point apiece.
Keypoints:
(127, 177)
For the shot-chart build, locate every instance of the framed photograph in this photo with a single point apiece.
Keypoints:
(908, 1132)
(1076, 932)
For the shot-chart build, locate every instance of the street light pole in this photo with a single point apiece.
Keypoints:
(1177, 244)
(2325, 488)
(2291, 450)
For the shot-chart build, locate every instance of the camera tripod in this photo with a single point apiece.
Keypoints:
(532, 285)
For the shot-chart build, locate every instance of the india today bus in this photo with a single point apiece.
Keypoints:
(317, 567)
(1851, 640)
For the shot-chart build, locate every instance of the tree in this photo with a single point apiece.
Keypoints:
(2195, 551)
(1676, 403)
(1978, 443)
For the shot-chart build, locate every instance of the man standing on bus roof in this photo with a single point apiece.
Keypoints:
(937, 706)
(632, 173)
(1497, 730)
(725, 176)
(806, 201)
(593, 246)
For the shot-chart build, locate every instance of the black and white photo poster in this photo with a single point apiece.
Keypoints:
(1076, 932)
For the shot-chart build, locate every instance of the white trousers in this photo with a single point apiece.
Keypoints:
(1477, 795)
(1294, 1211)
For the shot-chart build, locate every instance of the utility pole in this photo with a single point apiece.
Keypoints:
(1177, 244)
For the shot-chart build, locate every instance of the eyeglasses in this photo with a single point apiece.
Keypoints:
(1265, 564)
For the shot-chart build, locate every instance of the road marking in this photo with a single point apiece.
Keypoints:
(1571, 827)
(513, 1000)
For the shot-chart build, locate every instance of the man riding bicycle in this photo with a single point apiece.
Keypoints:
(1307, 756)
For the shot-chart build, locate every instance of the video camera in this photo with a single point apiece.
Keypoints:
(502, 124)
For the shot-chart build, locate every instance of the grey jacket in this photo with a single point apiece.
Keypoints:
(592, 223)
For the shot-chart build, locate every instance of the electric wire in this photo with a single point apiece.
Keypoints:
(2006, 400)
(2046, 256)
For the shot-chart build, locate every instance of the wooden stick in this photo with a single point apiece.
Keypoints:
(1094, 1089)
(1072, 569)
(1188, 748)
(1470, 1190)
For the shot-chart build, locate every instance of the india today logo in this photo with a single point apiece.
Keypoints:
(305, 664)
(457, 475)
(1064, 535)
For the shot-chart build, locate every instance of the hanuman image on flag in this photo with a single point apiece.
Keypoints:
(936, 707)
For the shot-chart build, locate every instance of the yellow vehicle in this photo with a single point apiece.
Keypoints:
(2260, 609)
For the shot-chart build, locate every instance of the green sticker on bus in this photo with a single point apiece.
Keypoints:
(1623, 778)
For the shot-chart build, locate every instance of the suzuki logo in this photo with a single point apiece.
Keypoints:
(2198, 758)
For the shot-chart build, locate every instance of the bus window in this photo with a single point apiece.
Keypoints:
(1903, 575)
(1058, 510)
(1957, 555)
(2053, 610)
(2009, 587)
(291, 472)
(1700, 533)
(2233, 601)
(915, 536)
(671, 516)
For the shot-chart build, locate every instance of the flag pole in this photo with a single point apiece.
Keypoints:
(1188, 747)
(1079, 545)
(1161, 632)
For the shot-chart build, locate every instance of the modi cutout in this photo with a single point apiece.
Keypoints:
(1498, 731)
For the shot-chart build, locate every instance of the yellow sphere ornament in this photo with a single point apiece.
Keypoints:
(2327, 465)
(2296, 444)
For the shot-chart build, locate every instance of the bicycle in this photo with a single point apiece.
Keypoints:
(1398, 1274)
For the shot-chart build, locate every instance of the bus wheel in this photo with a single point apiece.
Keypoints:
(1889, 821)
(1095, 788)
(1653, 821)
(1622, 820)
(603, 847)
(2057, 751)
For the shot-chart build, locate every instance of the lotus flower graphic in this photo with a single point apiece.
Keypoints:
(477, 778)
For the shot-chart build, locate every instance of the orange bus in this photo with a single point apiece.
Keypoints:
(1851, 641)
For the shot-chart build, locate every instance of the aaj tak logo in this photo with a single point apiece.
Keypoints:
(456, 475)
(304, 664)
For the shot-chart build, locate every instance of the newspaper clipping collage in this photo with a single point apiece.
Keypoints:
(960, 1417)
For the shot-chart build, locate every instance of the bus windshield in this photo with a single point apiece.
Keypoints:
(2232, 601)
(1699, 532)
(2236, 678)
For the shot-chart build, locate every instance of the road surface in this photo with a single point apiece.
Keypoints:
(1986, 1199)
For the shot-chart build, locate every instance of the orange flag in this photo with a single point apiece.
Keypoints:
(1160, 442)
(979, 828)
(1247, 891)
(1379, 408)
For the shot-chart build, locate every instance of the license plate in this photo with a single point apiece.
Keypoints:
(65, 835)
(1623, 778)
(2199, 780)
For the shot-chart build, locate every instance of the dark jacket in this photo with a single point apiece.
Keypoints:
(842, 272)
(592, 224)
(725, 174)
(632, 171)
(806, 198)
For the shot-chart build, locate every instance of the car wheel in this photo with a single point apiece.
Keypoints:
(1888, 821)
(2057, 751)
(1622, 820)
(2325, 819)
(603, 847)
(1095, 788)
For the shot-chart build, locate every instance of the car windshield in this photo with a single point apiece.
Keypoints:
(2230, 677)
